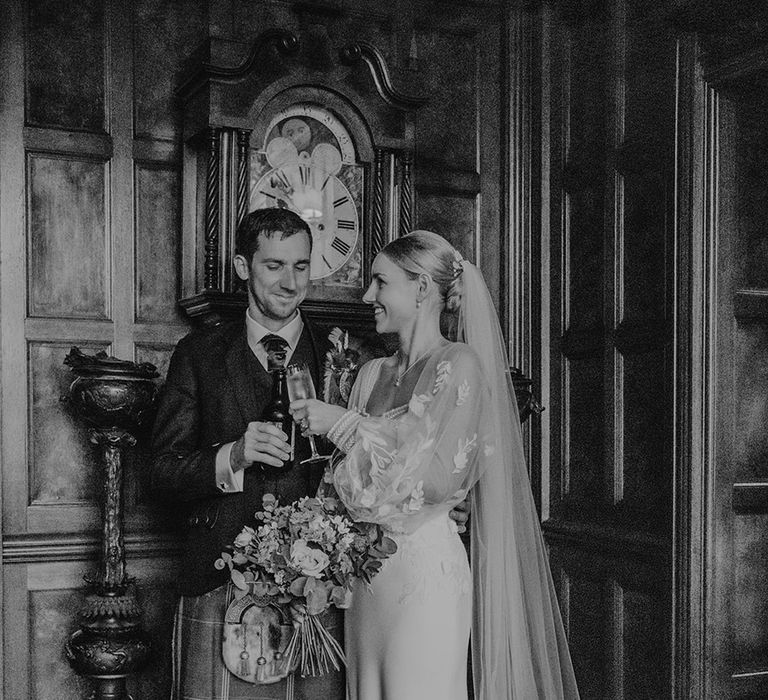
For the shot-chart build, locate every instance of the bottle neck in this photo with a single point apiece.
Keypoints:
(279, 386)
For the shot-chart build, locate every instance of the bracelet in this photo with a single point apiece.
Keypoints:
(349, 436)
(344, 429)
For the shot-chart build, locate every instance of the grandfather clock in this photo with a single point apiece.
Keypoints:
(294, 121)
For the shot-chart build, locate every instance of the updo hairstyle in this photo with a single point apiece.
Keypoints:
(423, 251)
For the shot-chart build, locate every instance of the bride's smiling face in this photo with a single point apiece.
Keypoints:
(392, 293)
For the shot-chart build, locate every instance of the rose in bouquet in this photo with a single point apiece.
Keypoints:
(308, 553)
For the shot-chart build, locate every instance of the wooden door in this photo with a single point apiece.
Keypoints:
(608, 158)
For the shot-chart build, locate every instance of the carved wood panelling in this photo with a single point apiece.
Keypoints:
(749, 610)
(51, 613)
(616, 621)
(61, 40)
(67, 238)
(452, 217)
(158, 238)
(62, 466)
(164, 34)
(751, 388)
(588, 631)
(752, 210)
(52, 618)
(643, 247)
(644, 623)
(649, 65)
(158, 355)
(584, 421)
(584, 270)
(644, 442)
(446, 127)
(585, 97)
(611, 127)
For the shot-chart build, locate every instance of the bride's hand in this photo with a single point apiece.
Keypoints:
(315, 416)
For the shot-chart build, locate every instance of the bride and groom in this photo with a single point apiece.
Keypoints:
(425, 429)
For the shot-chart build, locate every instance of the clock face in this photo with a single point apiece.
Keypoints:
(323, 201)
(307, 164)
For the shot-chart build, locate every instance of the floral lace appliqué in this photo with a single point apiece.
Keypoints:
(462, 392)
(443, 373)
(416, 501)
(460, 459)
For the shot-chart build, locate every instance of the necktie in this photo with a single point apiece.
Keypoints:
(277, 351)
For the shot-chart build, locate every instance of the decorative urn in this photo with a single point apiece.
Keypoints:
(114, 398)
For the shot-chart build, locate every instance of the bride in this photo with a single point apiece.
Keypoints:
(425, 427)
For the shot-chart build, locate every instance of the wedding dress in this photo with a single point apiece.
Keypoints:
(406, 633)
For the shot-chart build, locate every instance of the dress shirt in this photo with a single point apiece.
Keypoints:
(230, 481)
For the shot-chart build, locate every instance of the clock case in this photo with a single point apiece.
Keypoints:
(230, 94)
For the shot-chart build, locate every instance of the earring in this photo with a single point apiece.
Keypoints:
(418, 303)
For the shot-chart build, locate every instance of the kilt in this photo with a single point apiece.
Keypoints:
(199, 672)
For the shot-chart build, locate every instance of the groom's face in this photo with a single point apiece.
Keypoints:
(277, 277)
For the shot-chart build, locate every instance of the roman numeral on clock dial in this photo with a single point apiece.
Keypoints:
(341, 245)
(340, 201)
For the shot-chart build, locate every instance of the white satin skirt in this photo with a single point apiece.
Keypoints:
(407, 634)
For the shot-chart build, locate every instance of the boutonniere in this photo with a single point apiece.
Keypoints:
(342, 363)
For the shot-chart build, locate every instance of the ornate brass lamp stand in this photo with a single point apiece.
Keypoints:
(114, 397)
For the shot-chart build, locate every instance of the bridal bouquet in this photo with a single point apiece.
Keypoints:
(308, 552)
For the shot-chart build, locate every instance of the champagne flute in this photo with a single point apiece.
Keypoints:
(301, 386)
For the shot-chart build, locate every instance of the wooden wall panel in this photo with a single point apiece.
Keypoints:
(644, 247)
(164, 34)
(158, 355)
(748, 624)
(586, 54)
(751, 386)
(588, 632)
(650, 71)
(609, 122)
(67, 239)
(452, 217)
(644, 624)
(157, 596)
(584, 270)
(55, 597)
(158, 240)
(52, 618)
(63, 465)
(644, 442)
(752, 211)
(585, 428)
(446, 129)
(65, 55)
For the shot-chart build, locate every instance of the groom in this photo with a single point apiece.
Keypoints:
(213, 455)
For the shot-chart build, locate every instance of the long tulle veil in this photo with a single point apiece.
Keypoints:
(519, 649)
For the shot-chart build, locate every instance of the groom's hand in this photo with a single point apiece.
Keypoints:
(460, 514)
(261, 443)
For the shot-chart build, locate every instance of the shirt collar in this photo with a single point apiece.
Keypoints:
(290, 332)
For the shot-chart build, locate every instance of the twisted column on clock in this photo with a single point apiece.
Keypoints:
(243, 137)
(211, 265)
(406, 193)
(378, 237)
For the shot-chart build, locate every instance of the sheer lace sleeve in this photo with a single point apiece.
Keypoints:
(401, 470)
